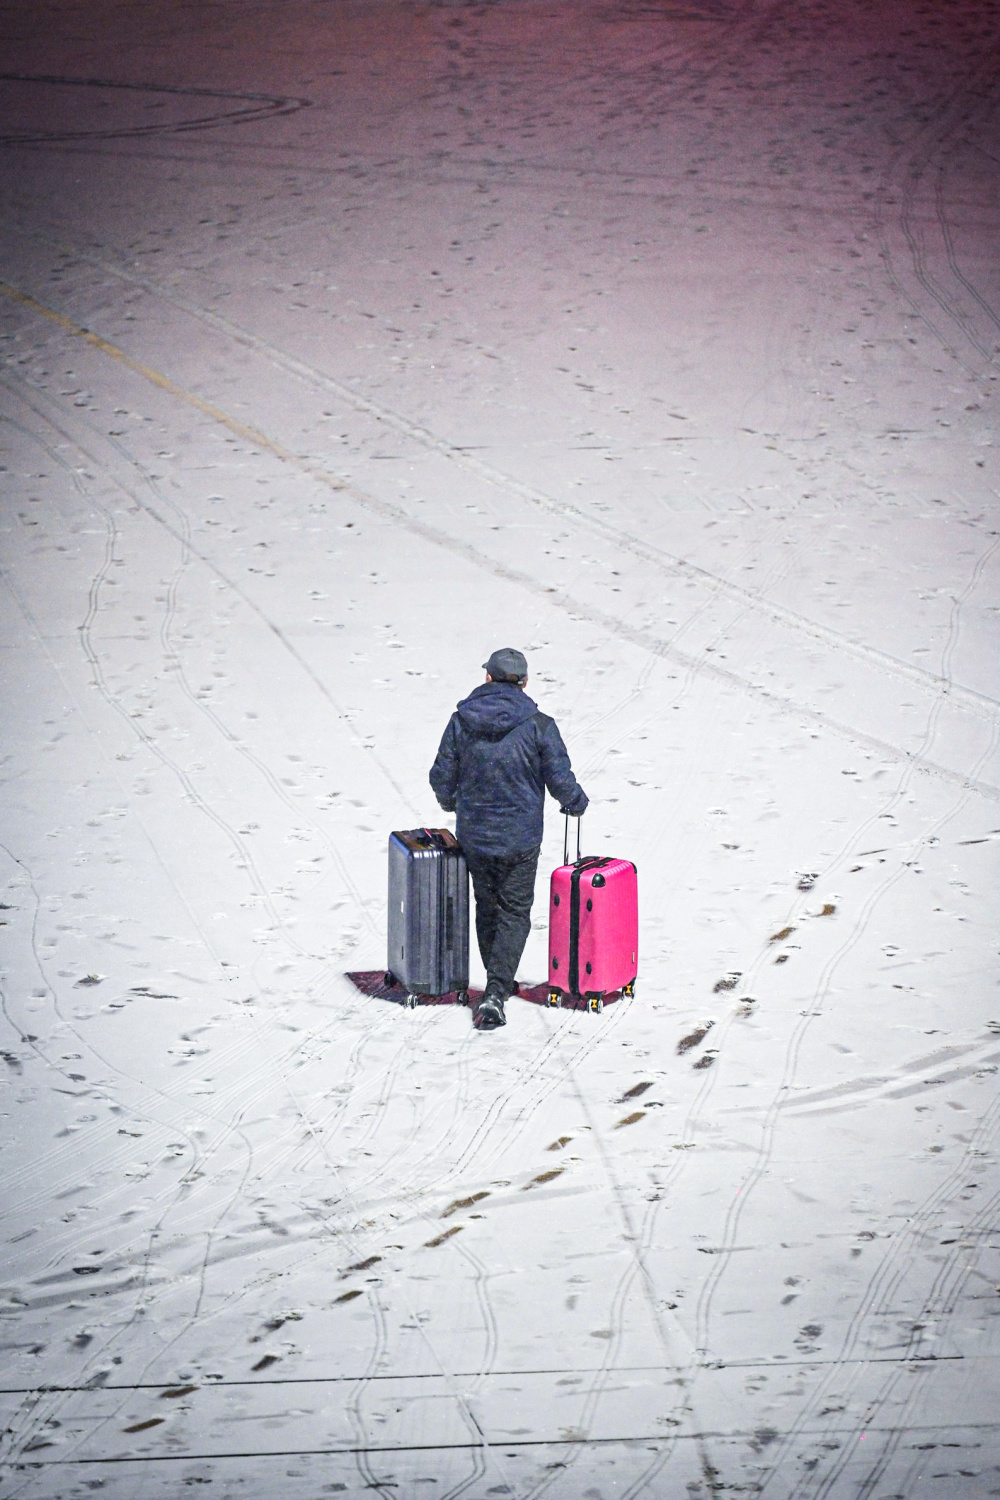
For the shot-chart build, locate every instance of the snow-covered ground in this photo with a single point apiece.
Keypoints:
(658, 340)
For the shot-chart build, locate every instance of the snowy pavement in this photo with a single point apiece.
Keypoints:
(342, 343)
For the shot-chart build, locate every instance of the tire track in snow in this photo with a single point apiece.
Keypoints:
(247, 1102)
(522, 1089)
(360, 1194)
(772, 1116)
(916, 169)
(902, 1253)
(256, 107)
(940, 1308)
(770, 1123)
(380, 1341)
(643, 638)
(937, 1306)
(528, 1074)
(487, 1312)
(16, 1440)
(225, 1303)
(246, 1081)
(238, 1049)
(245, 859)
(893, 1272)
(353, 1197)
(487, 1143)
(173, 660)
(597, 1387)
(636, 1269)
(644, 1241)
(181, 533)
(362, 1438)
(618, 537)
(645, 1237)
(227, 735)
(348, 1093)
(361, 1242)
(376, 1109)
(483, 1455)
(146, 1256)
(386, 1079)
(598, 760)
(948, 239)
(140, 1107)
(249, 435)
(111, 539)
(453, 1177)
(911, 161)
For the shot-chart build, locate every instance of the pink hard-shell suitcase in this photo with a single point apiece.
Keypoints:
(593, 928)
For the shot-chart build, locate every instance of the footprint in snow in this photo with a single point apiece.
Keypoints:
(633, 1092)
(440, 1239)
(694, 1037)
(729, 982)
(544, 1177)
(467, 1202)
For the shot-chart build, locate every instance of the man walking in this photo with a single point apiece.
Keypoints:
(496, 758)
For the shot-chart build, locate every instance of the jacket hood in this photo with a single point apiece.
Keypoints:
(495, 708)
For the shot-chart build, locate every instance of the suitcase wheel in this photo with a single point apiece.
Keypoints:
(410, 1002)
(390, 979)
(461, 997)
(554, 997)
(628, 990)
(595, 1004)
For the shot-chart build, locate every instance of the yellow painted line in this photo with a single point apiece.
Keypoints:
(241, 429)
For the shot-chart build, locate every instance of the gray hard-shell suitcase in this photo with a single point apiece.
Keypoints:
(428, 914)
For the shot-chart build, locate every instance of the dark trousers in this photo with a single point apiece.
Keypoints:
(504, 885)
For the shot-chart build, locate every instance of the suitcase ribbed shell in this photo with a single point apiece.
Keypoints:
(428, 917)
(606, 926)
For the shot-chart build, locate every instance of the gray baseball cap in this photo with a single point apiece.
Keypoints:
(507, 665)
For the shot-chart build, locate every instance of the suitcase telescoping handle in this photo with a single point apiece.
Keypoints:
(566, 838)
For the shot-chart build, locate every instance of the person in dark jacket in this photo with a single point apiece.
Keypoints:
(496, 758)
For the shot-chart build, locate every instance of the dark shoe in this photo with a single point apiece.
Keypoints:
(489, 1012)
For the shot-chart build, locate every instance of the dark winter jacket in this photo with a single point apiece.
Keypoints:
(497, 756)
